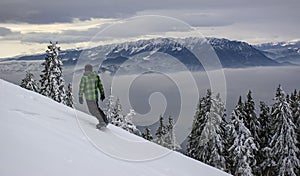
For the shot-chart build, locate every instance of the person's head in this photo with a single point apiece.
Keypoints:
(88, 68)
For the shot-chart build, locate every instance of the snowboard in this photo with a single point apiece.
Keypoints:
(101, 127)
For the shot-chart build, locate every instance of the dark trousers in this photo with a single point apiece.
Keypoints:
(96, 111)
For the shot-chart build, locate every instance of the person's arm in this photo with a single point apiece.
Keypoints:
(81, 87)
(100, 87)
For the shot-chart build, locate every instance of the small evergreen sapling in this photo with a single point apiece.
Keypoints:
(129, 125)
(29, 83)
(147, 134)
(69, 96)
(110, 107)
(117, 114)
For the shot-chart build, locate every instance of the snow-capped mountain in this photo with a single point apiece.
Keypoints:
(42, 137)
(156, 54)
(160, 54)
(282, 52)
(235, 54)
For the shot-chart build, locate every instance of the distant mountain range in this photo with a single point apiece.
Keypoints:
(282, 52)
(157, 54)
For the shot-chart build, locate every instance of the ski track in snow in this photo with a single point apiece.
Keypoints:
(25, 112)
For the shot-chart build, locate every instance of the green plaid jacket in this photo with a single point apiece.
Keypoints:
(89, 85)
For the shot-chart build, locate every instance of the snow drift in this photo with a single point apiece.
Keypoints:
(42, 137)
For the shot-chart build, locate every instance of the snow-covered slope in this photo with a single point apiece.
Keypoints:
(41, 137)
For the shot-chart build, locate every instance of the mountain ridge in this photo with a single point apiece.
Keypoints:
(282, 52)
(231, 53)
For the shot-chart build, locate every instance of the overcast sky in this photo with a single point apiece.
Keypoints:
(27, 24)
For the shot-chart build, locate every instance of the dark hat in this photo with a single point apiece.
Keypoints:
(88, 67)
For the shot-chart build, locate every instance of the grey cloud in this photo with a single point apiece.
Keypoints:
(143, 25)
(194, 17)
(36, 11)
(46, 37)
(5, 31)
(269, 17)
(133, 27)
(67, 36)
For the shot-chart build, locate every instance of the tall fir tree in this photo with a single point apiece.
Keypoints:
(147, 134)
(69, 96)
(295, 109)
(214, 135)
(199, 122)
(29, 83)
(264, 156)
(207, 139)
(298, 127)
(52, 81)
(161, 132)
(253, 124)
(229, 141)
(170, 138)
(283, 145)
(243, 145)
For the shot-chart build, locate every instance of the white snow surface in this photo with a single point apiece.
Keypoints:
(42, 137)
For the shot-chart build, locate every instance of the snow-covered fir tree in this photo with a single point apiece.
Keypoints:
(298, 127)
(29, 83)
(295, 109)
(161, 132)
(208, 136)
(212, 138)
(128, 125)
(264, 159)
(117, 114)
(243, 145)
(199, 122)
(251, 120)
(253, 124)
(69, 96)
(147, 134)
(170, 138)
(229, 141)
(52, 81)
(110, 105)
(283, 145)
